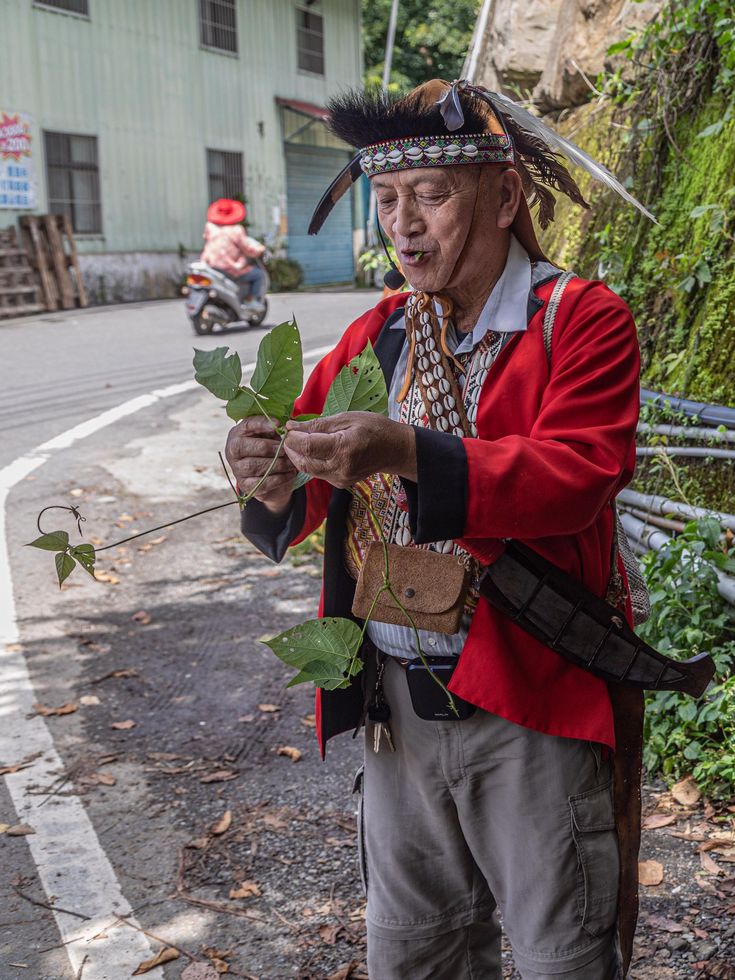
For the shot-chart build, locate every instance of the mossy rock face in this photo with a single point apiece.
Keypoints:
(678, 277)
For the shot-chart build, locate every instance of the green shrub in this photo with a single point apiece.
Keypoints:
(689, 617)
(286, 275)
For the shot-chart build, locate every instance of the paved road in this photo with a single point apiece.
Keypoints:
(61, 368)
(194, 676)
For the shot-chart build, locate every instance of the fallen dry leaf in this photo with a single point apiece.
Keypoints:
(329, 933)
(268, 708)
(219, 776)
(126, 518)
(163, 956)
(198, 844)
(89, 699)
(710, 866)
(107, 577)
(247, 889)
(246, 718)
(20, 830)
(76, 492)
(344, 972)
(123, 726)
(290, 752)
(13, 647)
(141, 617)
(64, 709)
(105, 778)
(662, 922)
(309, 721)
(650, 872)
(7, 770)
(200, 971)
(222, 825)
(655, 820)
(686, 792)
(123, 672)
(4, 827)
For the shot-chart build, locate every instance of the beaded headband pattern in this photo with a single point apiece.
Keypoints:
(436, 151)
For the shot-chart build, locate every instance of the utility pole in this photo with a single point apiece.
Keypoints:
(387, 67)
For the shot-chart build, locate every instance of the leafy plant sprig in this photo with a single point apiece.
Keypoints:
(325, 651)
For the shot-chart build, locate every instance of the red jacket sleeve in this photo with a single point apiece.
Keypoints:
(581, 448)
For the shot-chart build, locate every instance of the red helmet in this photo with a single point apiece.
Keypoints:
(225, 211)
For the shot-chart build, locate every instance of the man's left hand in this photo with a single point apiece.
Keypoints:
(344, 449)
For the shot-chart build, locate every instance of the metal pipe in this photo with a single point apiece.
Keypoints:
(713, 414)
(657, 504)
(693, 451)
(688, 432)
(655, 519)
(655, 540)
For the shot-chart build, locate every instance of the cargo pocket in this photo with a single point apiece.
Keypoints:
(361, 855)
(598, 863)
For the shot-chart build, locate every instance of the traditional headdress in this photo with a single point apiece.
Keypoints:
(442, 125)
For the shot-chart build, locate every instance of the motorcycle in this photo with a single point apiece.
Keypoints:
(213, 300)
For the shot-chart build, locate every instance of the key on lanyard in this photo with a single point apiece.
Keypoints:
(379, 715)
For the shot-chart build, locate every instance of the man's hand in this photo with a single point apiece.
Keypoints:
(343, 449)
(251, 446)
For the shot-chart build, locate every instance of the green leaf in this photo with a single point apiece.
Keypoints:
(301, 480)
(65, 565)
(55, 541)
(324, 651)
(359, 387)
(217, 372)
(244, 405)
(85, 555)
(279, 368)
(714, 130)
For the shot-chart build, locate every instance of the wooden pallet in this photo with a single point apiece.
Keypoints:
(18, 289)
(49, 240)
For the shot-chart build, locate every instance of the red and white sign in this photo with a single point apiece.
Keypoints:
(18, 189)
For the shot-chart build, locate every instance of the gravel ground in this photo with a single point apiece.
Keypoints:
(232, 841)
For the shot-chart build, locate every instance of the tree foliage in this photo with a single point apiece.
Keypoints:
(432, 39)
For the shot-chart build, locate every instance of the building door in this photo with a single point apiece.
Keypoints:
(326, 257)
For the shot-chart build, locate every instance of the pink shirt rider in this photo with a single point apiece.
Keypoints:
(228, 248)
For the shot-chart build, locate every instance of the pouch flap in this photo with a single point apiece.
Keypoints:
(593, 811)
(424, 581)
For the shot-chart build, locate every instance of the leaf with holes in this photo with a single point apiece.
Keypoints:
(245, 404)
(324, 651)
(279, 367)
(359, 387)
(217, 372)
(85, 555)
(55, 541)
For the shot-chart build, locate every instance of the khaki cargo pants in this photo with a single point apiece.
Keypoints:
(468, 818)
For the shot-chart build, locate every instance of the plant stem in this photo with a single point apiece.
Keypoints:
(387, 587)
(242, 500)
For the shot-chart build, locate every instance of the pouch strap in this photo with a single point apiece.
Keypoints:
(584, 629)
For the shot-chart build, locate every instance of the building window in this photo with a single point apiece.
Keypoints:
(70, 6)
(74, 180)
(218, 23)
(310, 41)
(224, 171)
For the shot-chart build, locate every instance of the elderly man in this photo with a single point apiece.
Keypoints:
(506, 807)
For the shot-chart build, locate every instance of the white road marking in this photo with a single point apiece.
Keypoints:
(71, 863)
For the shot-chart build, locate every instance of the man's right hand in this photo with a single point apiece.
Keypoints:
(251, 446)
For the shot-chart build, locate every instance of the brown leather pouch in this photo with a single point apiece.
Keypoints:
(433, 588)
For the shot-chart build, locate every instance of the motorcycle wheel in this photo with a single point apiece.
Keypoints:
(200, 326)
(255, 321)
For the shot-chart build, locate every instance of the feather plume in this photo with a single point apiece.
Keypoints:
(526, 121)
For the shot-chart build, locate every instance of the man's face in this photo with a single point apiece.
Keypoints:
(432, 214)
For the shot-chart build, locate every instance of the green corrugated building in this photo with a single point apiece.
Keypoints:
(130, 115)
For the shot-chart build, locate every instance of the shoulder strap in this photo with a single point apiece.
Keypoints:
(552, 308)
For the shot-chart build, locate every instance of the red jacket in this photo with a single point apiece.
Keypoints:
(556, 443)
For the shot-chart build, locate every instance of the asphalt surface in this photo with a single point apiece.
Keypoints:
(179, 615)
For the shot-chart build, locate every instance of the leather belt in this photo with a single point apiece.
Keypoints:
(584, 629)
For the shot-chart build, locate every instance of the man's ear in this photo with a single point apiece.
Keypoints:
(510, 190)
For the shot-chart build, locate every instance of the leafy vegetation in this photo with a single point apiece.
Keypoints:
(688, 617)
(432, 40)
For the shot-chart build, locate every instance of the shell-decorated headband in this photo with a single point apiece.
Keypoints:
(436, 151)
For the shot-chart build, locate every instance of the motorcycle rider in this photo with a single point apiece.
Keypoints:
(229, 249)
